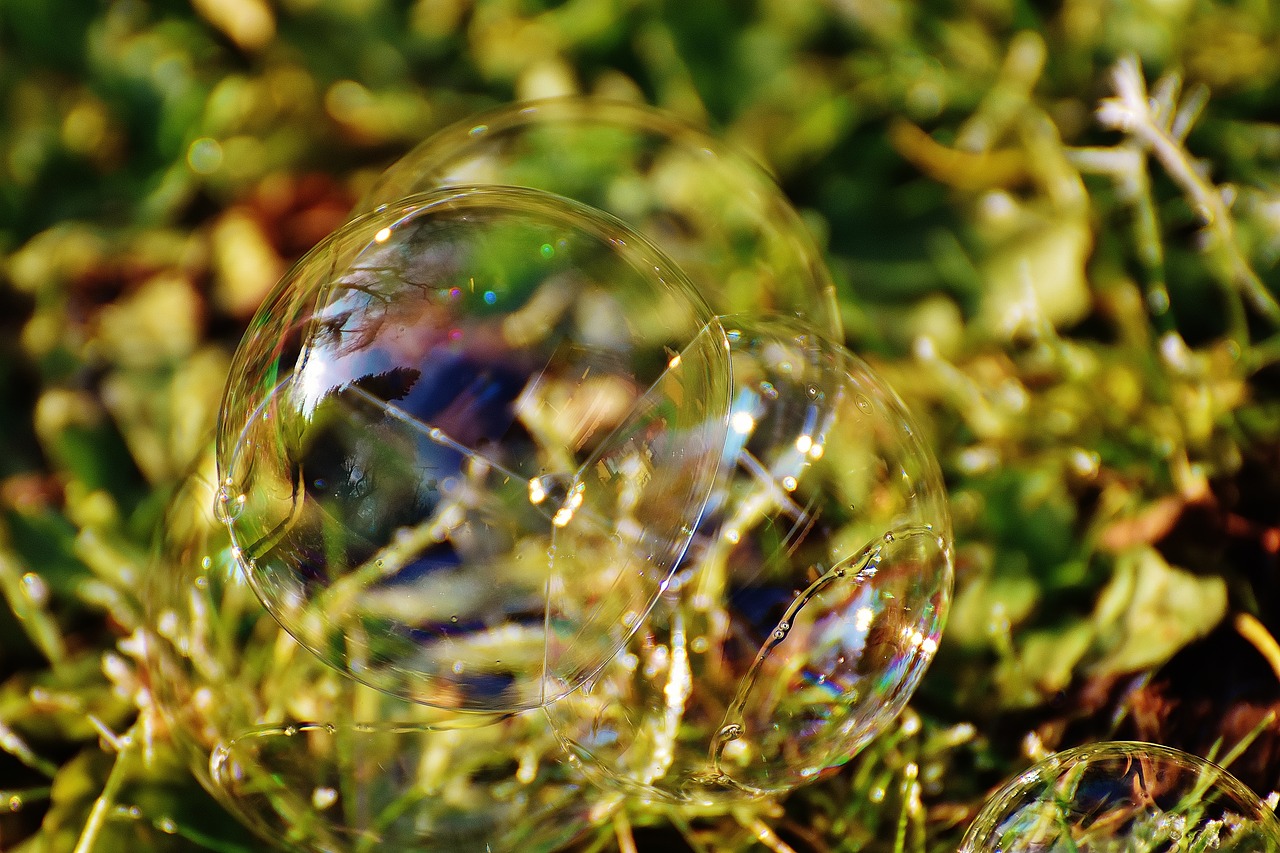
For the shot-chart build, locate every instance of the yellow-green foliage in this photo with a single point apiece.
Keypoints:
(1054, 227)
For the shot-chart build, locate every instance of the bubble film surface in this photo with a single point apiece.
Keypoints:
(315, 760)
(1123, 797)
(712, 210)
(809, 604)
(473, 421)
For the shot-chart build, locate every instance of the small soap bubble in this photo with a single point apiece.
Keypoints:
(809, 604)
(1123, 796)
(730, 732)
(228, 503)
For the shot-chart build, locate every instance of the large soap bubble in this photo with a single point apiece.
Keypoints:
(315, 760)
(474, 421)
(1123, 797)
(809, 605)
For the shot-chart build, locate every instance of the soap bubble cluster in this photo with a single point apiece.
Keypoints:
(546, 475)
(1123, 797)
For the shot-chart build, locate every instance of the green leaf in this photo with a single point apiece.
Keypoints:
(1150, 610)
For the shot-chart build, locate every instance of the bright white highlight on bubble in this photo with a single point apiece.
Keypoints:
(537, 494)
(742, 423)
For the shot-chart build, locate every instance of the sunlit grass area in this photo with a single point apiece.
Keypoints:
(1053, 228)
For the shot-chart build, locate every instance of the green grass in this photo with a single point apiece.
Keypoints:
(1078, 306)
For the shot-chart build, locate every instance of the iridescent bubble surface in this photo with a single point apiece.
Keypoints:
(1123, 797)
(712, 210)
(473, 422)
(315, 760)
(809, 605)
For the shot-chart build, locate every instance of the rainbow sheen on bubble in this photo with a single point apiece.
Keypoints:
(809, 604)
(475, 420)
(1123, 797)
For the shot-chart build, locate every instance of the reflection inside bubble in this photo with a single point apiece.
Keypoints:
(810, 600)
(1123, 797)
(495, 391)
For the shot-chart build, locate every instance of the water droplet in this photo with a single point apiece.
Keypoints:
(1158, 301)
(864, 404)
(290, 731)
(15, 803)
(552, 487)
(731, 732)
(228, 503)
(323, 797)
(35, 588)
(167, 825)
(453, 619)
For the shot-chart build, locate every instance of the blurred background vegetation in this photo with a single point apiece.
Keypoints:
(1078, 304)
